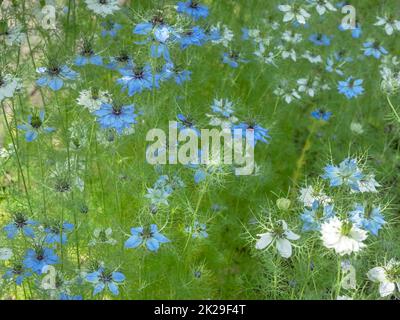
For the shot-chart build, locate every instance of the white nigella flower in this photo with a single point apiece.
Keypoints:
(390, 80)
(389, 23)
(102, 236)
(286, 93)
(292, 37)
(294, 12)
(288, 53)
(93, 99)
(307, 86)
(322, 6)
(342, 236)
(8, 85)
(308, 196)
(266, 58)
(344, 298)
(255, 34)
(312, 58)
(387, 276)
(226, 35)
(5, 254)
(103, 7)
(6, 153)
(13, 35)
(281, 235)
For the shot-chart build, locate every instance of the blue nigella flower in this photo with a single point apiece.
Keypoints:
(341, 56)
(169, 71)
(351, 87)
(65, 296)
(320, 39)
(54, 76)
(321, 114)
(159, 48)
(110, 28)
(233, 59)
(145, 28)
(34, 126)
(88, 56)
(103, 278)
(213, 34)
(198, 230)
(136, 79)
(122, 61)
(374, 49)
(36, 259)
(260, 133)
(186, 122)
(347, 173)
(17, 273)
(368, 218)
(355, 32)
(194, 37)
(245, 34)
(193, 8)
(57, 234)
(20, 224)
(151, 237)
(313, 218)
(116, 116)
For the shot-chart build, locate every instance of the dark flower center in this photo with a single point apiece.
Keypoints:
(62, 186)
(55, 229)
(87, 50)
(103, 1)
(84, 209)
(105, 277)
(188, 122)
(139, 74)
(117, 109)
(95, 93)
(53, 71)
(376, 45)
(39, 254)
(157, 20)
(368, 211)
(147, 233)
(17, 269)
(20, 221)
(234, 55)
(123, 57)
(109, 25)
(102, 235)
(194, 5)
(36, 123)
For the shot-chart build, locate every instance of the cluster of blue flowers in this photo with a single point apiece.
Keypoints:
(348, 174)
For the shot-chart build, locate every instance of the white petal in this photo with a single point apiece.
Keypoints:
(284, 8)
(291, 235)
(264, 241)
(386, 288)
(284, 247)
(389, 29)
(377, 274)
(288, 17)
